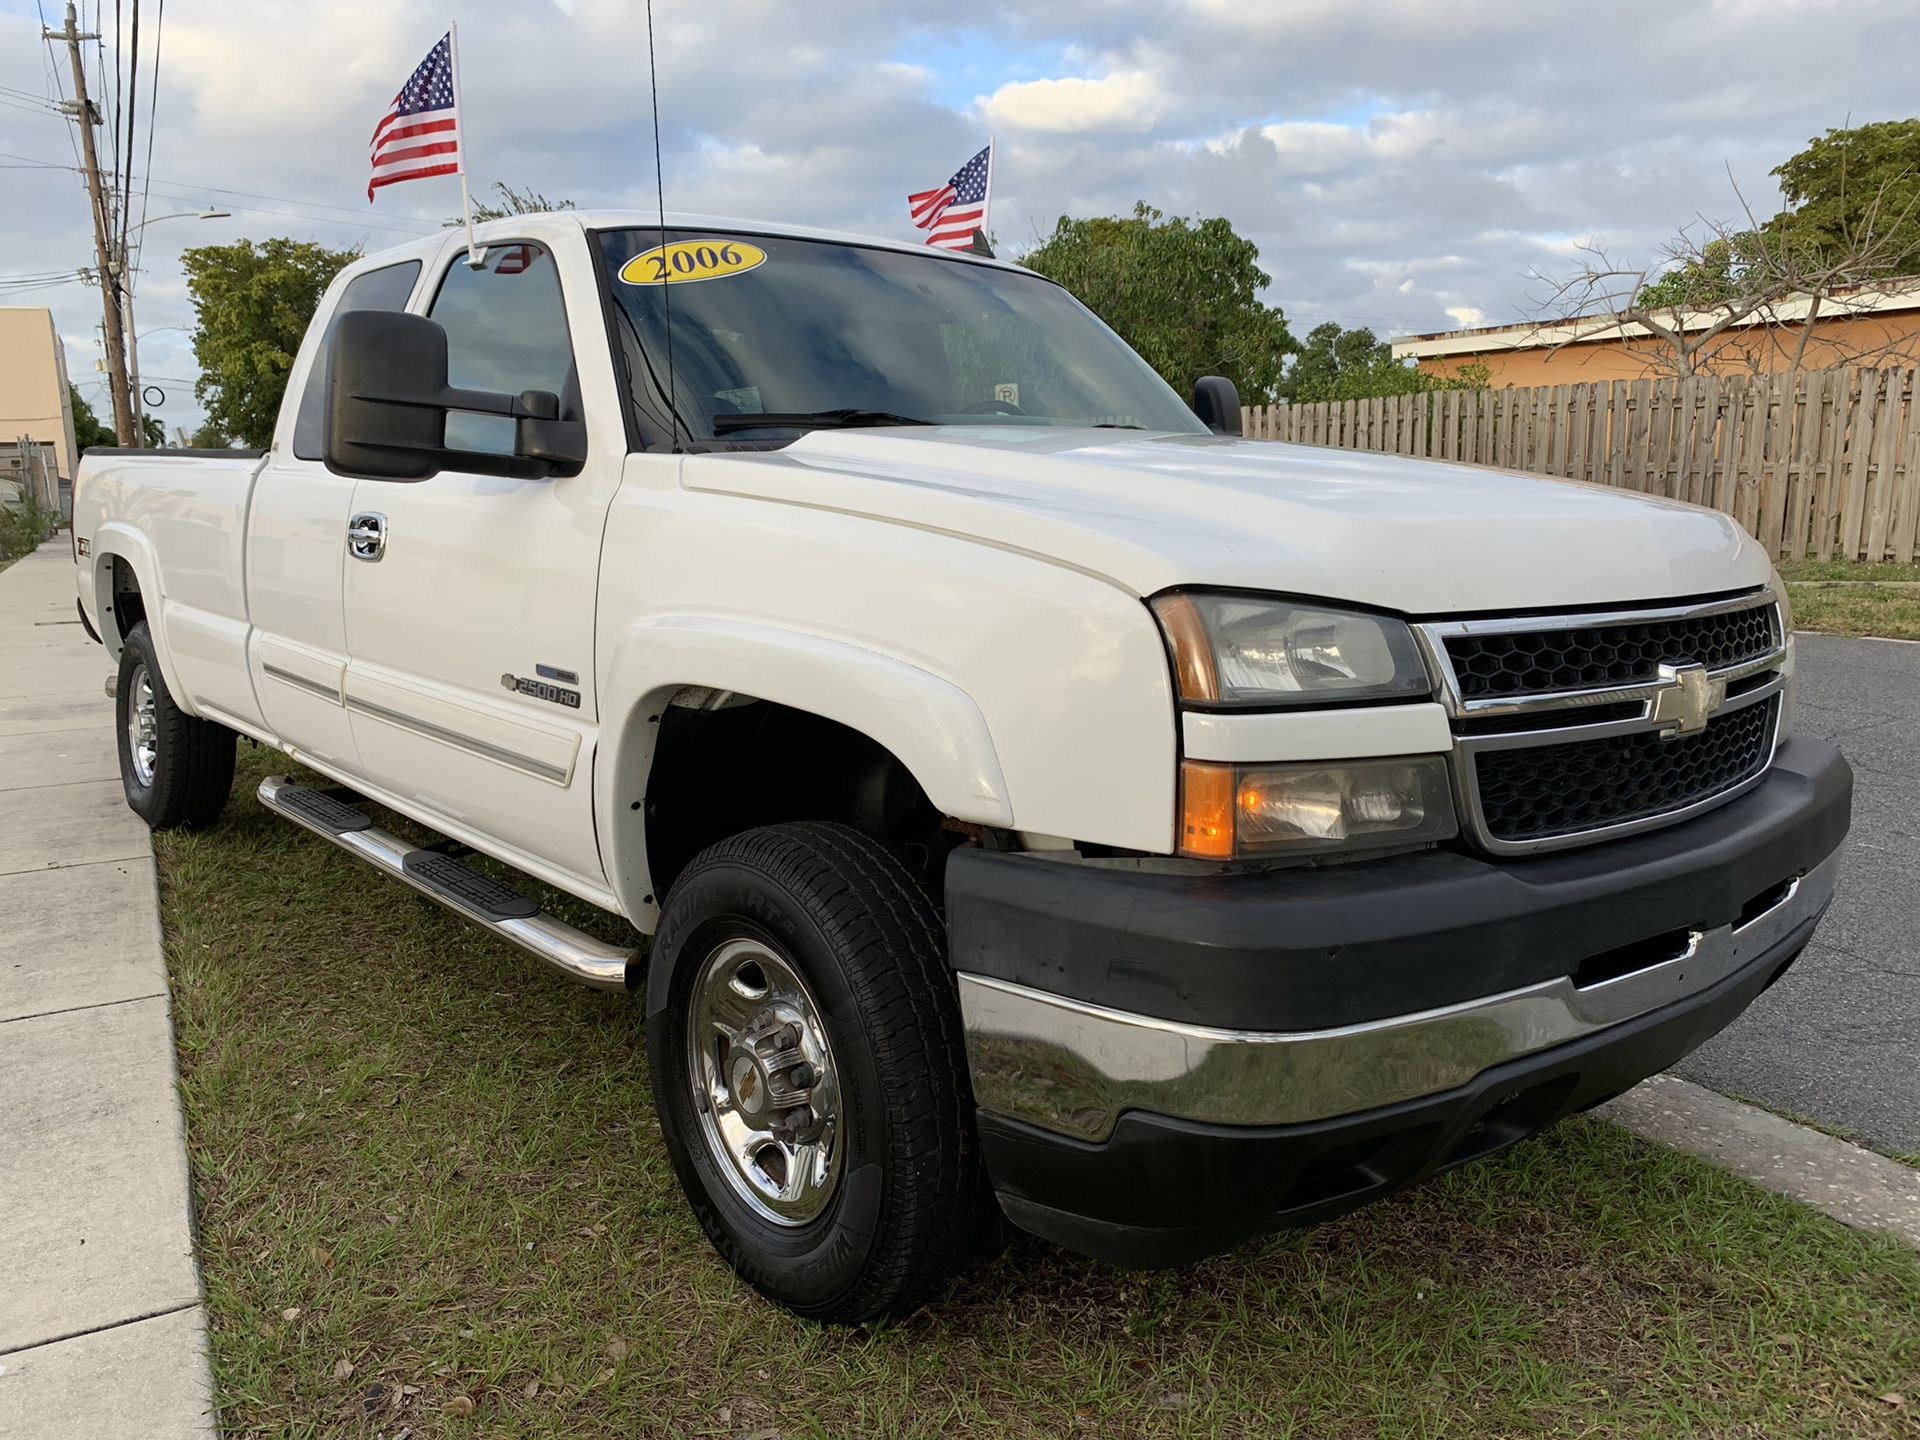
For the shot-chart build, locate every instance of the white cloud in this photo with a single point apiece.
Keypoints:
(1401, 165)
(1466, 316)
(1126, 100)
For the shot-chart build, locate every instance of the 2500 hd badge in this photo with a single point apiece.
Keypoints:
(541, 690)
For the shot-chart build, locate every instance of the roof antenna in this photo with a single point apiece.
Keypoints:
(666, 285)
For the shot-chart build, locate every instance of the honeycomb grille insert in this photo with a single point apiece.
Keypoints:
(1537, 662)
(1545, 791)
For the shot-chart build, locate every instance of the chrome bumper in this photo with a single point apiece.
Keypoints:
(1074, 1068)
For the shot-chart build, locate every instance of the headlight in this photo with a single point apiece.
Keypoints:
(1249, 651)
(1248, 811)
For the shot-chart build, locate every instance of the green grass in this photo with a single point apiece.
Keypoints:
(1855, 608)
(420, 1155)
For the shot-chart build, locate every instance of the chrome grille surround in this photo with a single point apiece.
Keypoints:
(1564, 717)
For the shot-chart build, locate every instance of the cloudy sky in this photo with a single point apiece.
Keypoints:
(1402, 164)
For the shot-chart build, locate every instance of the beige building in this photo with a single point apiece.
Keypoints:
(1876, 326)
(33, 385)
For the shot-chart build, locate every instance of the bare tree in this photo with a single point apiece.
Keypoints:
(1751, 296)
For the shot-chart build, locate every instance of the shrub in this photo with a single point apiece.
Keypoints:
(22, 529)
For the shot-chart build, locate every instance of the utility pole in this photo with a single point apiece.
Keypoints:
(126, 428)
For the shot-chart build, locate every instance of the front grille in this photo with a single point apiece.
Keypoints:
(1538, 792)
(1534, 662)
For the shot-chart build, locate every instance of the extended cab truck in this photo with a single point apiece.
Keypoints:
(1042, 803)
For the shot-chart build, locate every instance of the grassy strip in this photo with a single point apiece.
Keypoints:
(1856, 609)
(429, 1177)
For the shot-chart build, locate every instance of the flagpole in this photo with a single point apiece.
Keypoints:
(476, 257)
(986, 205)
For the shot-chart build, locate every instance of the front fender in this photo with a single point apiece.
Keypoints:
(928, 723)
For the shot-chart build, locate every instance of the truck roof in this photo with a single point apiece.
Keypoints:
(528, 226)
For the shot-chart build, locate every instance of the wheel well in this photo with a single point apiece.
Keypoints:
(128, 606)
(717, 772)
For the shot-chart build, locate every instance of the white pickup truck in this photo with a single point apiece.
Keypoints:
(1043, 802)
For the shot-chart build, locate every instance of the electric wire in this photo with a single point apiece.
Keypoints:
(133, 117)
(195, 190)
(153, 120)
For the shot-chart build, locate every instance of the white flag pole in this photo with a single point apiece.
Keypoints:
(476, 257)
(986, 200)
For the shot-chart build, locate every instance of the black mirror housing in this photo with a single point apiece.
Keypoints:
(387, 404)
(1217, 404)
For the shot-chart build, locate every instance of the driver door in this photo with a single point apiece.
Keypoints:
(470, 598)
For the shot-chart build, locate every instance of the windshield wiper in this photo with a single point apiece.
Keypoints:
(812, 420)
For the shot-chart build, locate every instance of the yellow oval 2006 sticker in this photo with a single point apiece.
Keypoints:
(686, 260)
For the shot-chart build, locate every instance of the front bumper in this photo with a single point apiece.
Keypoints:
(1145, 1135)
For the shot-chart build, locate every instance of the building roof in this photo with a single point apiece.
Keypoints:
(1858, 301)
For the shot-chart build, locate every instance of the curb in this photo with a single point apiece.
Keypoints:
(1853, 1185)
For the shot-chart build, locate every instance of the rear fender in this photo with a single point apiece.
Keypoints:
(116, 540)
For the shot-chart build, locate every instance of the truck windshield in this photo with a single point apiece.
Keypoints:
(810, 334)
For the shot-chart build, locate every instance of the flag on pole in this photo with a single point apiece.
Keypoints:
(953, 212)
(419, 135)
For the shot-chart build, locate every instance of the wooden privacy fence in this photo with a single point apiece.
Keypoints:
(1823, 463)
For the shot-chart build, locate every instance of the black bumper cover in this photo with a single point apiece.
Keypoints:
(1310, 949)
(1341, 945)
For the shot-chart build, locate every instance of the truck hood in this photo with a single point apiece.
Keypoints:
(1150, 511)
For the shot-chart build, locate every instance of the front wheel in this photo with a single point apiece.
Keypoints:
(810, 1072)
(176, 769)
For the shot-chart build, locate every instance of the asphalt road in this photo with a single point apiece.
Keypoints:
(1837, 1041)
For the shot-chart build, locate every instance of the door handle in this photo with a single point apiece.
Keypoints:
(367, 535)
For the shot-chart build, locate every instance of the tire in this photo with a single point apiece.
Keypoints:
(898, 1200)
(177, 770)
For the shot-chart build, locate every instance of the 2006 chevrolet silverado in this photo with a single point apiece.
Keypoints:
(1042, 801)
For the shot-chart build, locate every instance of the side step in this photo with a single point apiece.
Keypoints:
(461, 888)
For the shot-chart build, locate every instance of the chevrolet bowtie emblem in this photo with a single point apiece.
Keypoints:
(1688, 701)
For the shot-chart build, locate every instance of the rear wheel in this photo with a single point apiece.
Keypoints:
(810, 1072)
(176, 770)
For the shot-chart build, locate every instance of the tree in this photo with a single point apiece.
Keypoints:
(252, 304)
(512, 202)
(87, 429)
(1849, 186)
(1337, 364)
(1751, 294)
(209, 437)
(1184, 293)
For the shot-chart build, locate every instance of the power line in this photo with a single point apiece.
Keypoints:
(195, 190)
(113, 116)
(53, 74)
(153, 111)
(41, 107)
(133, 116)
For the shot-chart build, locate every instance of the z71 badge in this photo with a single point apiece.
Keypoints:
(541, 690)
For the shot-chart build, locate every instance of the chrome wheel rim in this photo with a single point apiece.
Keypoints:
(764, 1083)
(143, 725)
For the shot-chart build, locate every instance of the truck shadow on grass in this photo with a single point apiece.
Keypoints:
(428, 1177)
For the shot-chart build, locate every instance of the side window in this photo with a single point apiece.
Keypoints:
(506, 332)
(384, 289)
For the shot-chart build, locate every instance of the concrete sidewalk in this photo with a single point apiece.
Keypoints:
(102, 1333)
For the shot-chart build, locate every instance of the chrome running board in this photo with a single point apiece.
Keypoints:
(462, 889)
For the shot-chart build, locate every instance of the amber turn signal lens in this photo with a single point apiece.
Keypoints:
(1195, 671)
(1206, 810)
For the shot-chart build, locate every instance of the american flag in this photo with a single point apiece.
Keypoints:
(420, 133)
(953, 212)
